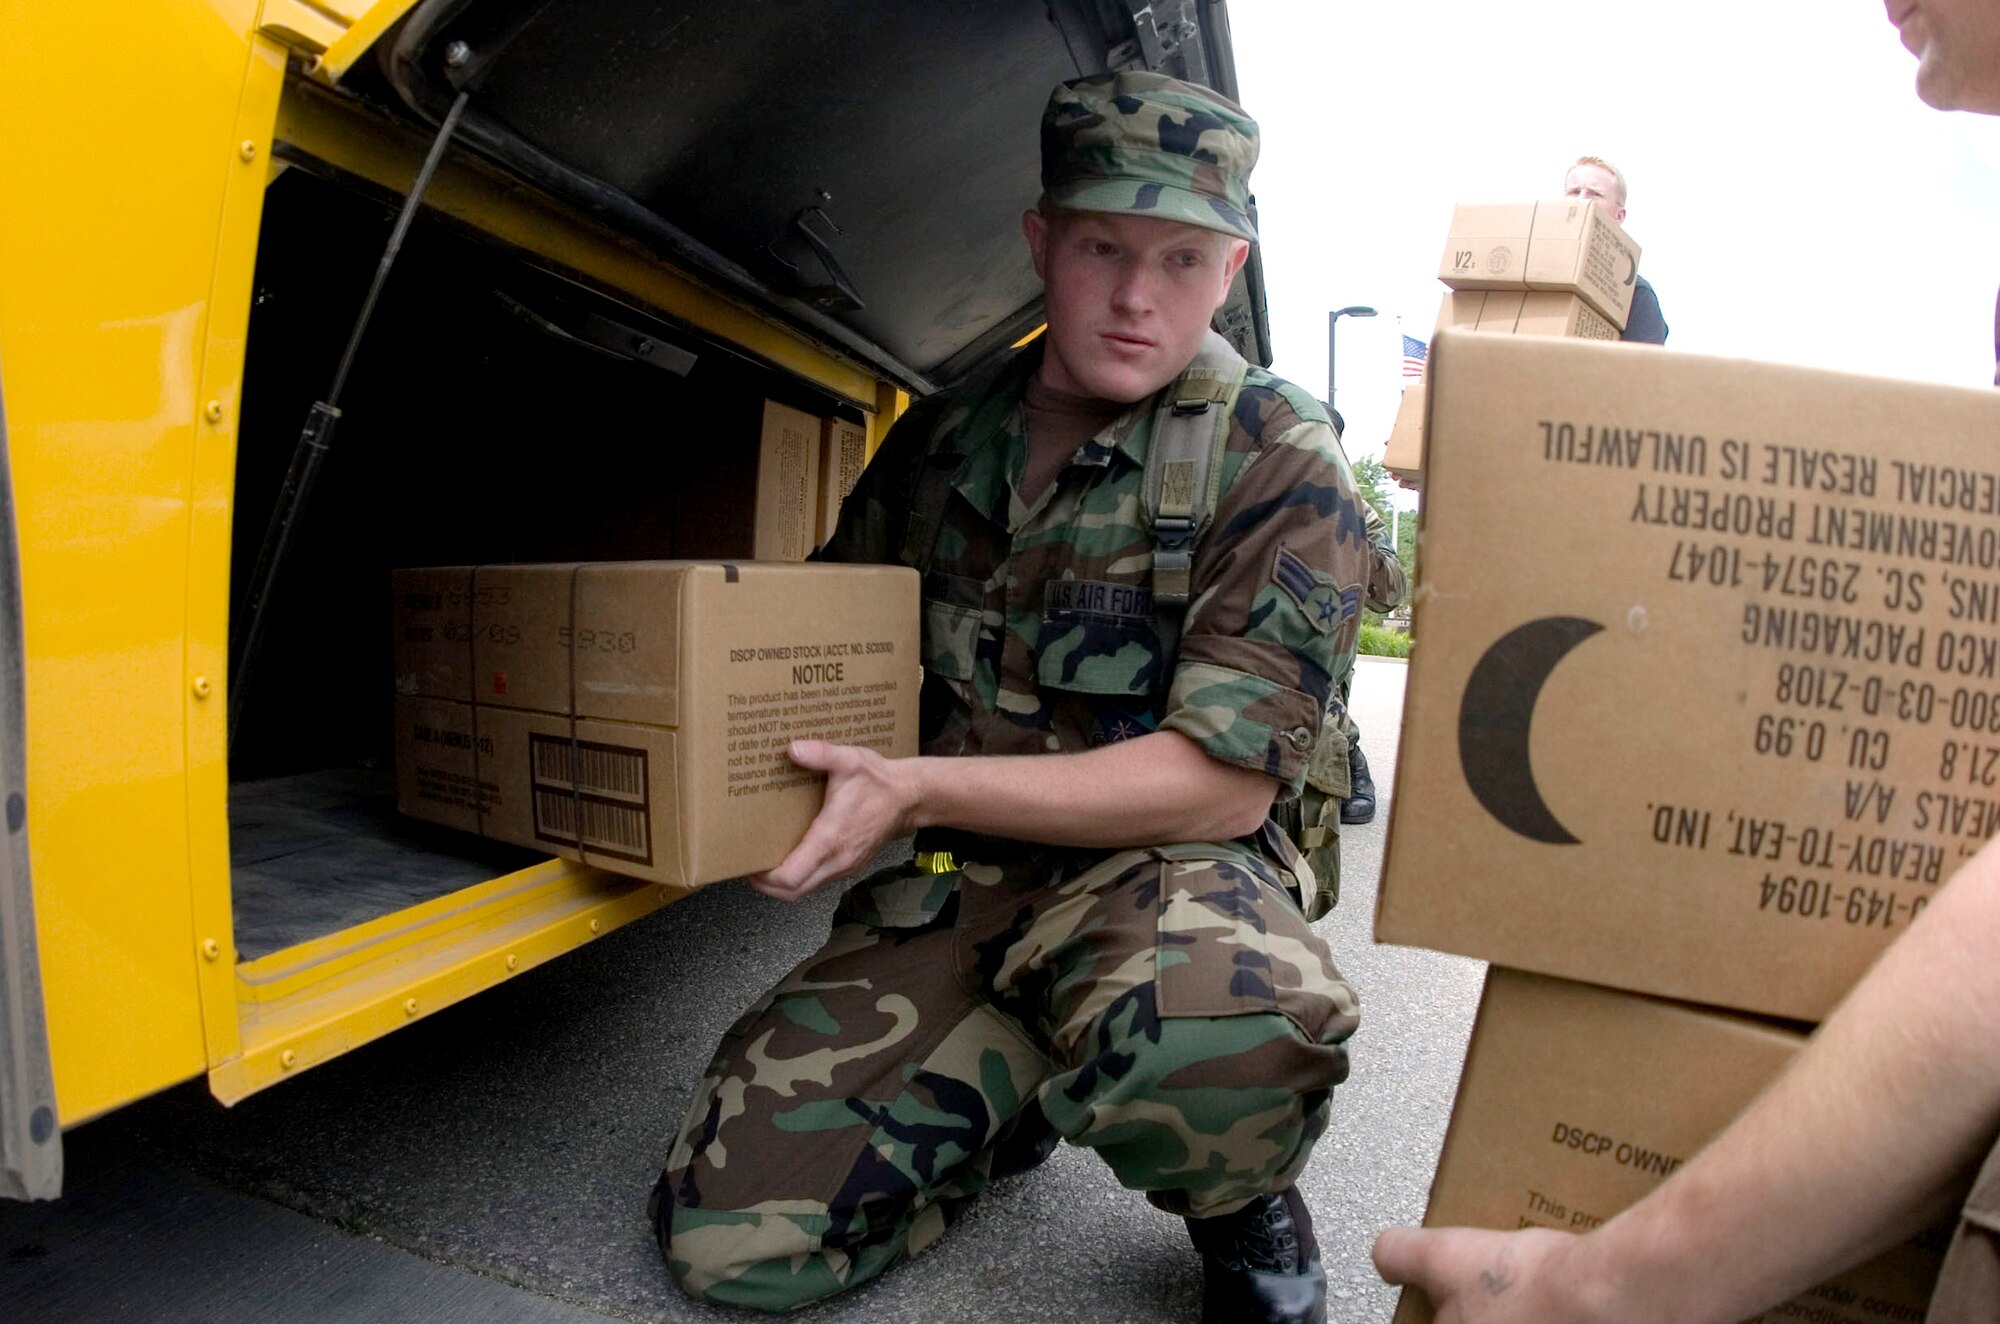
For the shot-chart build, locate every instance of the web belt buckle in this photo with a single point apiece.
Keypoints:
(1173, 559)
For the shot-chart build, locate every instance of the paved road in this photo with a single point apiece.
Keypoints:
(490, 1163)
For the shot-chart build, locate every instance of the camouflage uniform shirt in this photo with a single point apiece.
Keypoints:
(1039, 632)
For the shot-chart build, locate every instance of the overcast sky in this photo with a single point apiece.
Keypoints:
(1794, 200)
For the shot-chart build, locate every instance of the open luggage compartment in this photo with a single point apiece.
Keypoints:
(485, 420)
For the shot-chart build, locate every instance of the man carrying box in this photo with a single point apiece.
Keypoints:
(1876, 1130)
(1098, 940)
(1597, 179)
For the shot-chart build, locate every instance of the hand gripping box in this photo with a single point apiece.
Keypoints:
(1577, 1101)
(634, 715)
(1705, 697)
(1565, 244)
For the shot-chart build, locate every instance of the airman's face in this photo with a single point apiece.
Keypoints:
(1129, 298)
(1957, 45)
(1597, 184)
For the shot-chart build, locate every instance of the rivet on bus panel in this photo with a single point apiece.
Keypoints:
(287, 1058)
(247, 150)
(410, 1007)
(214, 411)
(210, 948)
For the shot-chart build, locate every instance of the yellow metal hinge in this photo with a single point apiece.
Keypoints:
(331, 34)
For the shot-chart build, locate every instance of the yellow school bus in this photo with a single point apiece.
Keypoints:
(294, 292)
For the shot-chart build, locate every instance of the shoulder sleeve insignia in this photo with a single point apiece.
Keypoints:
(1327, 606)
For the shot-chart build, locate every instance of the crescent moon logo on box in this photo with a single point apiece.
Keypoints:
(1496, 714)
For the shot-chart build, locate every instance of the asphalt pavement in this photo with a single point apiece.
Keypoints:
(490, 1163)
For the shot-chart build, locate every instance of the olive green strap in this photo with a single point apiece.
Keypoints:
(1184, 473)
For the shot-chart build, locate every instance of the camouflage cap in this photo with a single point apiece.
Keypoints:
(1148, 145)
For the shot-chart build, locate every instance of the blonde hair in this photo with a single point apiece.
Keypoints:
(1617, 175)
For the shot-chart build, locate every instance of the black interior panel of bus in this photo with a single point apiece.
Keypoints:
(859, 166)
(482, 422)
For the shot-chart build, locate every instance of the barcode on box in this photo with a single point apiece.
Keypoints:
(613, 770)
(591, 796)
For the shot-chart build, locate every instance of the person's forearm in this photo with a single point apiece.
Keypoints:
(1156, 789)
(1868, 1137)
(1160, 787)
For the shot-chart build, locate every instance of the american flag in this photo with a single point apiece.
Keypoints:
(1414, 352)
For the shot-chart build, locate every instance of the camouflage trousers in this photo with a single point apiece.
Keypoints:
(1168, 1008)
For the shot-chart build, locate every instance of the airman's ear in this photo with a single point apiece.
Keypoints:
(1239, 253)
(1035, 225)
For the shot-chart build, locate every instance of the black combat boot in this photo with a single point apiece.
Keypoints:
(1260, 1265)
(660, 1213)
(1024, 1143)
(1359, 806)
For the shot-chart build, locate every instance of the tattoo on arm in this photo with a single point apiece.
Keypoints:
(1495, 1282)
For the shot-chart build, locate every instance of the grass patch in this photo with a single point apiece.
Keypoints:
(1377, 641)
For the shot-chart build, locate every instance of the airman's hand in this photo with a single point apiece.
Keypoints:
(870, 801)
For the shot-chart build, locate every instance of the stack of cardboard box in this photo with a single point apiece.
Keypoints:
(782, 506)
(1576, 1101)
(1705, 710)
(843, 454)
(634, 715)
(1559, 268)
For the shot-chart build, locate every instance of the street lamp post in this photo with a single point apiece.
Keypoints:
(1332, 326)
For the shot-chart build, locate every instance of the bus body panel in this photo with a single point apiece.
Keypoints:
(114, 347)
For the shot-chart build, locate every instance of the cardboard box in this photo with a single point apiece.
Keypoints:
(1566, 244)
(1523, 313)
(1463, 308)
(1548, 313)
(1706, 696)
(725, 506)
(1504, 312)
(432, 618)
(666, 697)
(1404, 455)
(1563, 1119)
(1553, 313)
(508, 775)
(843, 454)
(515, 624)
(788, 496)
